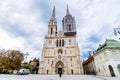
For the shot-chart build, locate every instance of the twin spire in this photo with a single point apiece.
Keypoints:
(67, 12)
(53, 14)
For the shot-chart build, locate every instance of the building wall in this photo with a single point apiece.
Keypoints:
(55, 56)
(70, 57)
(106, 58)
(89, 68)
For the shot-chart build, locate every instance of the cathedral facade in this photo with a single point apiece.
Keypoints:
(60, 51)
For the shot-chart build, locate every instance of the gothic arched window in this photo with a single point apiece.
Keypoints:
(60, 51)
(55, 33)
(62, 42)
(51, 31)
(69, 27)
(65, 20)
(59, 43)
(47, 71)
(72, 71)
(69, 41)
(71, 59)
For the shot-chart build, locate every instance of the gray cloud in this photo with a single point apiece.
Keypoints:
(25, 23)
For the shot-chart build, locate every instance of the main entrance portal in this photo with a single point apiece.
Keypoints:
(59, 67)
(59, 70)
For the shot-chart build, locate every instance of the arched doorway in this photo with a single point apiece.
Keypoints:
(59, 67)
(111, 71)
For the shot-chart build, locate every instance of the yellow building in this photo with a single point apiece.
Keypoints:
(60, 51)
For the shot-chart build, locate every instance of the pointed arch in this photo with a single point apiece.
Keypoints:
(60, 51)
(56, 43)
(72, 71)
(59, 67)
(47, 71)
(62, 42)
(70, 27)
(51, 31)
(59, 43)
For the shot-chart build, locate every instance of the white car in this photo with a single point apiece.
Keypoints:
(23, 71)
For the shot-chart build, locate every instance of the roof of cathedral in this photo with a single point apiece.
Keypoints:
(109, 44)
(90, 58)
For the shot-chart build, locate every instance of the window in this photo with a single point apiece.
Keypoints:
(111, 70)
(98, 69)
(62, 42)
(118, 67)
(52, 62)
(69, 27)
(47, 71)
(72, 71)
(55, 33)
(57, 43)
(65, 20)
(48, 61)
(51, 31)
(50, 41)
(71, 59)
(69, 42)
(60, 51)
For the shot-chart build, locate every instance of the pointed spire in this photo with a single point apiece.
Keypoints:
(53, 19)
(67, 11)
(53, 14)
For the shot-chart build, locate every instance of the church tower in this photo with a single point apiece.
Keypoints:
(60, 51)
(69, 26)
(52, 26)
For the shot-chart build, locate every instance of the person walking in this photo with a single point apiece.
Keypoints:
(60, 73)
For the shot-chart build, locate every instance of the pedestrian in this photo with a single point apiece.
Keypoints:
(60, 73)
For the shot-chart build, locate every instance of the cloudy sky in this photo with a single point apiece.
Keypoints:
(23, 23)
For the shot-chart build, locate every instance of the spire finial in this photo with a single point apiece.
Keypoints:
(53, 14)
(67, 11)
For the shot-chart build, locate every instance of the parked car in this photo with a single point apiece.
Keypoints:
(23, 72)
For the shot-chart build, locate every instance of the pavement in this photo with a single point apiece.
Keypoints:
(54, 77)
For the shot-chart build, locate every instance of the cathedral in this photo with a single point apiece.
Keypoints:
(60, 51)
